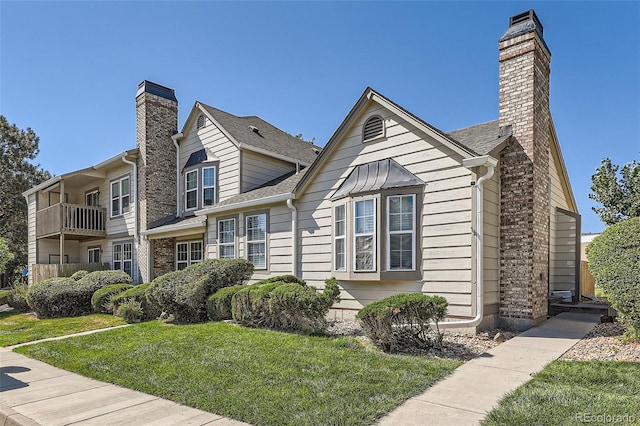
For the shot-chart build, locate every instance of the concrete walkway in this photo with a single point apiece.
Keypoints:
(465, 397)
(35, 393)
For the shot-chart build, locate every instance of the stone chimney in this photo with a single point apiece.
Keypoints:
(156, 122)
(524, 224)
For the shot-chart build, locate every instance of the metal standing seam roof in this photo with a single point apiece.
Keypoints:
(376, 175)
(267, 136)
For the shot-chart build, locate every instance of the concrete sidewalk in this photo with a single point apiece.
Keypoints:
(35, 393)
(465, 397)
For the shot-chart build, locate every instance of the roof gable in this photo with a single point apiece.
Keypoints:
(369, 95)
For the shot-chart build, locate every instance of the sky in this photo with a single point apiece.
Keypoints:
(70, 70)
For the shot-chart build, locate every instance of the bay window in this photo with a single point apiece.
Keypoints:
(191, 190)
(364, 235)
(340, 246)
(401, 232)
(208, 186)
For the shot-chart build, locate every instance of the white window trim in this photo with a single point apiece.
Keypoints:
(342, 237)
(122, 261)
(204, 187)
(373, 233)
(187, 191)
(248, 241)
(190, 261)
(121, 196)
(235, 252)
(413, 233)
(89, 251)
(90, 194)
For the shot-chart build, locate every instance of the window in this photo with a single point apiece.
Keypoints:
(373, 128)
(201, 121)
(188, 253)
(401, 232)
(364, 235)
(191, 190)
(208, 186)
(340, 222)
(92, 198)
(257, 240)
(120, 195)
(227, 239)
(123, 257)
(94, 254)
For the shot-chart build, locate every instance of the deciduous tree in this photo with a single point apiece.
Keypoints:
(620, 197)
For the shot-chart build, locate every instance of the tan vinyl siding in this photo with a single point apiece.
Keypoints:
(562, 234)
(258, 169)
(123, 224)
(491, 239)
(278, 240)
(216, 142)
(31, 233)
(446, 217)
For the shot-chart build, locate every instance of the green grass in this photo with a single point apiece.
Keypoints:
(566, 392)
(258, 376)
(21, 328)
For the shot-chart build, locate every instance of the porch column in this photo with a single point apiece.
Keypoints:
(61, 248)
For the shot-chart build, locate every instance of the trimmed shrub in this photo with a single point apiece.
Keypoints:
(130, 310)
(139, 294)
(219, 303)
(281, 305)
(101, 298)
(79, 274)
(184, 293)
(66, 297)
(614, 261)
(403, 321)
(17, 297)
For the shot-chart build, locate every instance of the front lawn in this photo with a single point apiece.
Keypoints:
(20, 328)
(258, 376)
(574, 393)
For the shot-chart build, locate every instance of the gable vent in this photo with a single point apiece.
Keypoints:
(373, 128)
(201, 121)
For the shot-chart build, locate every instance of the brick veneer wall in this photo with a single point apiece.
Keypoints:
(524, 201)
(164, 256)
(156, 122)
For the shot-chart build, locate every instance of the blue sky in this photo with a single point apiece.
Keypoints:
(70, 70)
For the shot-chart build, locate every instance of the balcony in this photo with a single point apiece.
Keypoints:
(75, 221)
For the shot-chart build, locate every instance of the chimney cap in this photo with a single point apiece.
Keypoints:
(147, 86)
(523, 23)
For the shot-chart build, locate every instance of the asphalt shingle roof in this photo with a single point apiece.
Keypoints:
(481, 138)
(268, 137)
(282, 185)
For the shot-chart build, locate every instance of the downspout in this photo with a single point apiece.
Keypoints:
(490, 163)
(175, 138)
(135, 206)
(294, 236)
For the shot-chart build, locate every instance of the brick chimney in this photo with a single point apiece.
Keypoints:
(156, 122)
(524, 224)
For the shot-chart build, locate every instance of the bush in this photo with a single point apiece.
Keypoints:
(79, 275)
(184, 293)
(17, 297)
(66, 297)
(139, 294)
(403, 321)
(130, 310)
(219, 303)
(101, 298)
(284, 305)
(614, 261)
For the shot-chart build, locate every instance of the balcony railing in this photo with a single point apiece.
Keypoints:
(71, 219)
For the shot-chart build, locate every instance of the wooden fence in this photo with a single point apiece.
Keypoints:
(41, 272)
(587, 282)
